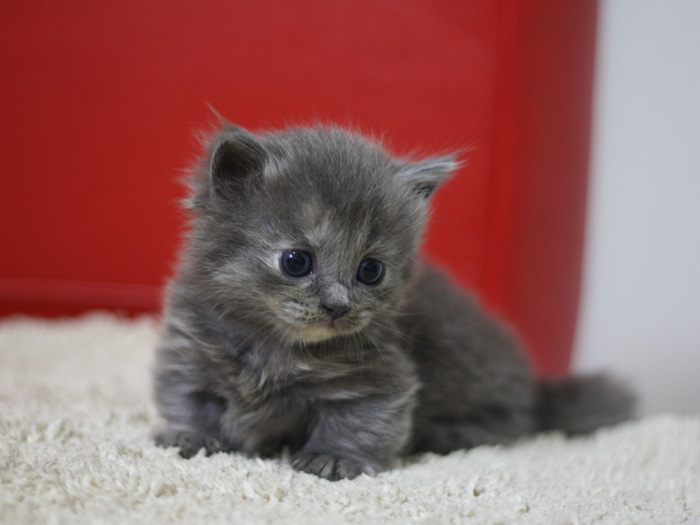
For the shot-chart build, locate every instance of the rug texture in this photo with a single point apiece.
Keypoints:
(76, 414)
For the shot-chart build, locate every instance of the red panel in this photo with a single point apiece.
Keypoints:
(100, 103)
(532, 263)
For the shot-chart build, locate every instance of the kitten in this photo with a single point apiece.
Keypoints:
(301, 317)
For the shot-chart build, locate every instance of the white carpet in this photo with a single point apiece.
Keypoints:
(75, 417)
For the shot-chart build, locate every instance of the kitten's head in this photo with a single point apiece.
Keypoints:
(310, 233)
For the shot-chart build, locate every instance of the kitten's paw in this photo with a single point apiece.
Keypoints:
(188, 442)
(331, 467)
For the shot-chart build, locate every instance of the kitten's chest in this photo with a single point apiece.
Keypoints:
(298, 379)
(273, 405)
(278, 392)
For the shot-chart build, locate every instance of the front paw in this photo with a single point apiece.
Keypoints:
(331, 467)
(189, 442)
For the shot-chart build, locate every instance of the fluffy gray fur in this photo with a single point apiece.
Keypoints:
(347, 375)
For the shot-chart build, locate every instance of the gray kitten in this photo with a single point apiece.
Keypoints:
(301, 317)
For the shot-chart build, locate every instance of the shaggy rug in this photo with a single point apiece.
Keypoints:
(75, 417)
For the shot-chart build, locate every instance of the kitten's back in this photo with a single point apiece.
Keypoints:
(477, 386)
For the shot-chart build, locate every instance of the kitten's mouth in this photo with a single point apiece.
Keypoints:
(321, 331)
(299, 326)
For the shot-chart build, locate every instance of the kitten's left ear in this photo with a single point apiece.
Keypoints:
(425, 176)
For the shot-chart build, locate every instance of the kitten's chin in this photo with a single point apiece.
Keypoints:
(318, 332)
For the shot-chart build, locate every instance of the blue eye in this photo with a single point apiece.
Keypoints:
(370, 271)
(296, 263)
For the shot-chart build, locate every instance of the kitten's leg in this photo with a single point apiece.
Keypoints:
(196, 426)
(351, 438)
(191, 412)
(489, 426)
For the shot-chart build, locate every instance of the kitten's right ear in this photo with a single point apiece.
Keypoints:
(235, 156)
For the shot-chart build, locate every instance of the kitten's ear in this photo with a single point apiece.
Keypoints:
(235, 155)
(425, 176)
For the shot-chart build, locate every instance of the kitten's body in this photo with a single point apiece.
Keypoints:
(346, 366)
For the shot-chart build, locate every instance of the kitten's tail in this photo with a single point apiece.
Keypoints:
(581, 404)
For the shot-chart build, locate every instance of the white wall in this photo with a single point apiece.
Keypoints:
(641, 304)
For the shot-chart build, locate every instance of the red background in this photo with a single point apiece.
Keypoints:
(100, 103)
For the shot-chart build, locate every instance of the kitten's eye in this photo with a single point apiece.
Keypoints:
(296, 263)
(370, 271)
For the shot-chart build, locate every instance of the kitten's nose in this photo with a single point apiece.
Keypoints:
(335, 310)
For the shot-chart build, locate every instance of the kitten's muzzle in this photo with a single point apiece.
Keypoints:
(335, 310)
